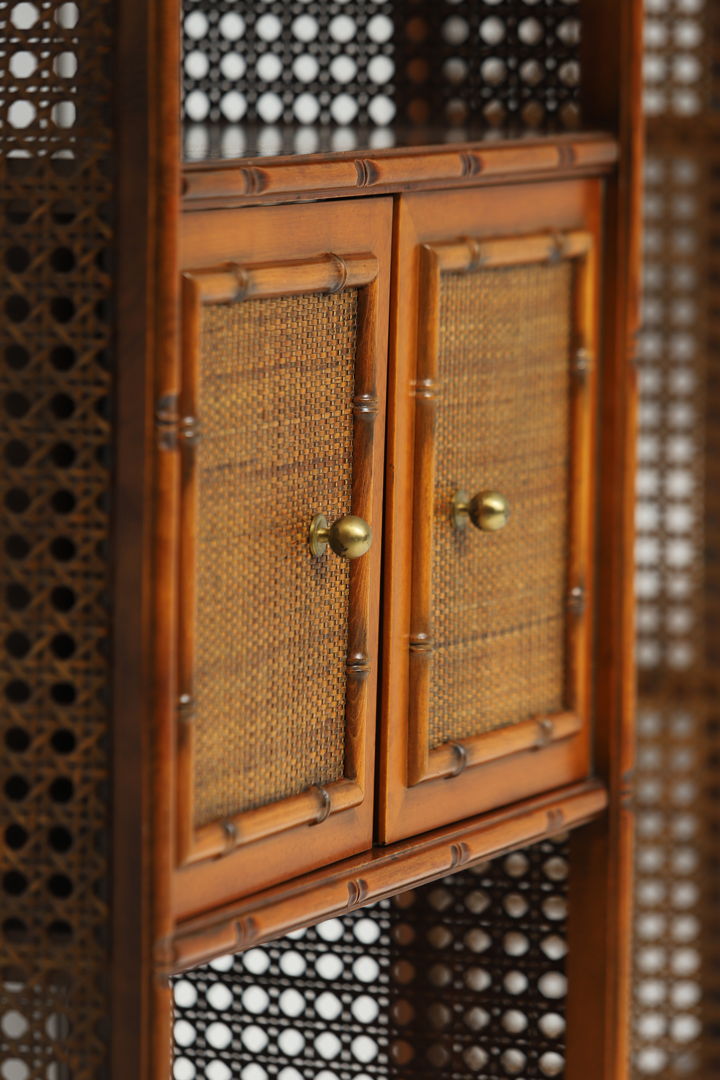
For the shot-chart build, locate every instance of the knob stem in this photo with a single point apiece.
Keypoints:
(488, 511)
(349, 537)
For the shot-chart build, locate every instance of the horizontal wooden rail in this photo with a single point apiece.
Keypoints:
(373, 875)
(531, 734)
(469, 253)
(340, 175)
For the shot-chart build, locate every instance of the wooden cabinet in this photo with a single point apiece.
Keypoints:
(275, 428)
(276, 417)
(488, 619)
(213, 735)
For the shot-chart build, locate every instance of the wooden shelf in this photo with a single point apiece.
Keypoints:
(383, 871)
(211, 180)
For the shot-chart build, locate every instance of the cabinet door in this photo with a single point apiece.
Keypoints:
(274, 458)
(489, 535)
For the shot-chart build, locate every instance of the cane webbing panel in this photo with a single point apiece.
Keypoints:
(498, 600)
(461, 978)
(56, 313)
(357, 68)
(275, 409)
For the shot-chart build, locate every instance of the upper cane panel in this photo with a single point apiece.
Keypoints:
(370, 67)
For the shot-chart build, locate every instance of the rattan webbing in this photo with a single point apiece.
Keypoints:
(275, 409)
(498, 600)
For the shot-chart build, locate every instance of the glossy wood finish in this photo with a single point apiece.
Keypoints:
(325, 273)
(380, 872)
(281, 251)
(421, 790)
(443, 762)
(342, 175)
(601, 884)
(147, 62)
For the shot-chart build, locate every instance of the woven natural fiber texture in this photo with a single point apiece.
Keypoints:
(58, 303)
(498, 600)
(275, 409)
(336, 63)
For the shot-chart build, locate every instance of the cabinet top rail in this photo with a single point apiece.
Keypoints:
(242, 181)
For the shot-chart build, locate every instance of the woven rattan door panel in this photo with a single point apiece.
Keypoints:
(488, 627)
(279, 419)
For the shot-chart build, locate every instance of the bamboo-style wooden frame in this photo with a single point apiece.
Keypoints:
(151, 902)
(236, 283)
(538, 731)
(541, 752)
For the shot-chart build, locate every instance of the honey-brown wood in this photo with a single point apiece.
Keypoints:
(292, 253)
(366, 878)
(329, 273)
(422, 788)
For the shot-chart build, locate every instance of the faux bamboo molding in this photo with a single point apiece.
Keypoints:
(367, 878)
(427, 765)
(236, 183)
(328, 273)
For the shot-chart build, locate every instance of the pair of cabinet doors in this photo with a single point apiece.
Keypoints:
(409, 382)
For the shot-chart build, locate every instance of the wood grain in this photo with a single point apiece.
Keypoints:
(378, 873)
(456, 233)
(286, 179)
(293, 252)
(147, 65)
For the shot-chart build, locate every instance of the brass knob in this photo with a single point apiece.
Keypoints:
(488, 510)
(349, 537)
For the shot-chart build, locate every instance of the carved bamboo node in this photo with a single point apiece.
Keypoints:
(357, 665)
(366, 172)
(366, 405)
(189, 430)
(471, 164)
(459, 854)
(245, 932)
(546, 730)
(231, 833)
(566, 155)
(461, 760)
(342, 271)
(420, 643)
(576, 600)
(357, 892)
(166, 421)
(325, 804)
(478, 255)
(254, 180)
(582, 364)
(557, 248)
(186, 708)
(242, 281)
(425, 388)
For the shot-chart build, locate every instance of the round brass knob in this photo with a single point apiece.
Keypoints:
(349, 537)
(488, 510)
